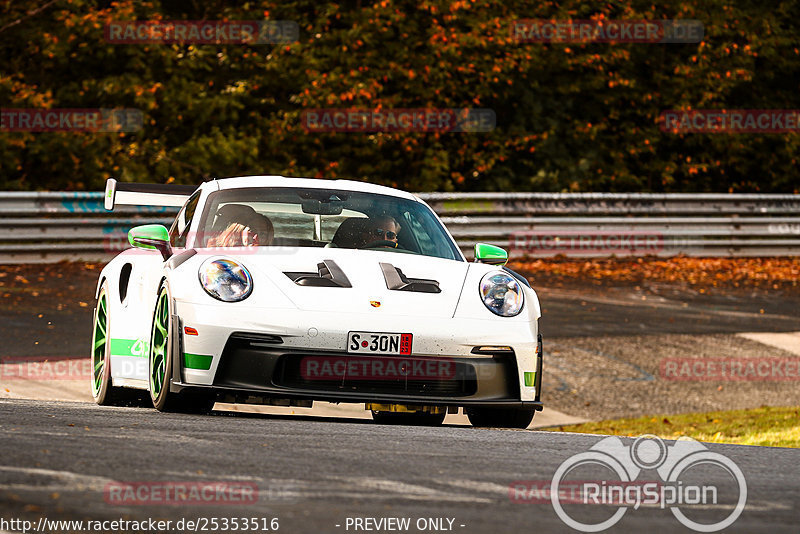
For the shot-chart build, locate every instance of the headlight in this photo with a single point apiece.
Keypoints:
(501, 293)
(225, 280)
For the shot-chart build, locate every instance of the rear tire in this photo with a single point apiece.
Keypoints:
(406, 418)
(103, 391)
(500, 417)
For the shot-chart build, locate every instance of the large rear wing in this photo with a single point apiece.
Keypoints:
(130, 194)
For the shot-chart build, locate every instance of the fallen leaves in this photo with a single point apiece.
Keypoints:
(702, 274)
(60, 286)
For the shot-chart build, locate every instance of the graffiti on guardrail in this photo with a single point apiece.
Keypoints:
(784, 228)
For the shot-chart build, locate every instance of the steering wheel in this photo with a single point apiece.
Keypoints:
(381, 243)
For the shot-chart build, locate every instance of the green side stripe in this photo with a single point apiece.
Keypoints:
(197, 361)
(129, 347)
(139, 349)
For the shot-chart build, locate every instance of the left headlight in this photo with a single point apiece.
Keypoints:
(501, 293)
(225, 280)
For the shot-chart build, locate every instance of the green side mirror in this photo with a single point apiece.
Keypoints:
(151, 237)
(485, 253)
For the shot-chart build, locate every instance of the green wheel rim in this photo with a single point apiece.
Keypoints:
(158, 345)
(99, 341)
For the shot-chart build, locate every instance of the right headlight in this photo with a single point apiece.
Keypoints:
(225, 280)
(501, 293)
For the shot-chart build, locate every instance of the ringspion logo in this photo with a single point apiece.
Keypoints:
(705, 490)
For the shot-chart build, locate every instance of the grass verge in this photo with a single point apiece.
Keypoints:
(765, 426)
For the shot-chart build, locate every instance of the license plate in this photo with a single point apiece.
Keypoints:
(379, 343)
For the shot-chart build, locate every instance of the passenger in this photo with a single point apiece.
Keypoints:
(254, 230)
(225, 217)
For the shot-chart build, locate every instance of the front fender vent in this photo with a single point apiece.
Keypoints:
(396, 280)
(328, 275)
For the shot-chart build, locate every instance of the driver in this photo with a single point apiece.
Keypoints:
(382, 228)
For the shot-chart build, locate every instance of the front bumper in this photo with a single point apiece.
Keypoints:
(273, 361)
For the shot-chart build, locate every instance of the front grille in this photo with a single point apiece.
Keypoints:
(376, 374)
(263, 363)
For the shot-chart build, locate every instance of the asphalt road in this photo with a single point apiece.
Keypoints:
(604, 341)
(603, 345)
(614, 309)
(49, 316)
(313, 474)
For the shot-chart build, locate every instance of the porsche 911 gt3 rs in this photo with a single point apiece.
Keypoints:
(274, 290)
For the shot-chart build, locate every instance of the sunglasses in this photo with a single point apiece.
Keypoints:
(389, 235)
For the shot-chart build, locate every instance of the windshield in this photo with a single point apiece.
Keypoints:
(295, 217)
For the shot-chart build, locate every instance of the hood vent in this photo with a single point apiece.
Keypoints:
(328, 275)
(396, 280)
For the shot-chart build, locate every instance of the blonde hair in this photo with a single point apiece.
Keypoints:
(233, 235)
(229, 237)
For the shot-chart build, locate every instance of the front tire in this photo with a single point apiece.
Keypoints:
(160, 358)
(160, 363)
(500, 417)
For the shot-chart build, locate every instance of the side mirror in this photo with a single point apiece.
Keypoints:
(151, 237)
(490, 254)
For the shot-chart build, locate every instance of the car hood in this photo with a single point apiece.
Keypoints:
(368, 291)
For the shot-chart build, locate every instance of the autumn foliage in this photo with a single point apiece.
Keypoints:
(570, 116)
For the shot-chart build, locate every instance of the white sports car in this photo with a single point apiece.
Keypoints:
(274, 290)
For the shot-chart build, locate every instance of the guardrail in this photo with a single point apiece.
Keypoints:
(50, 227)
